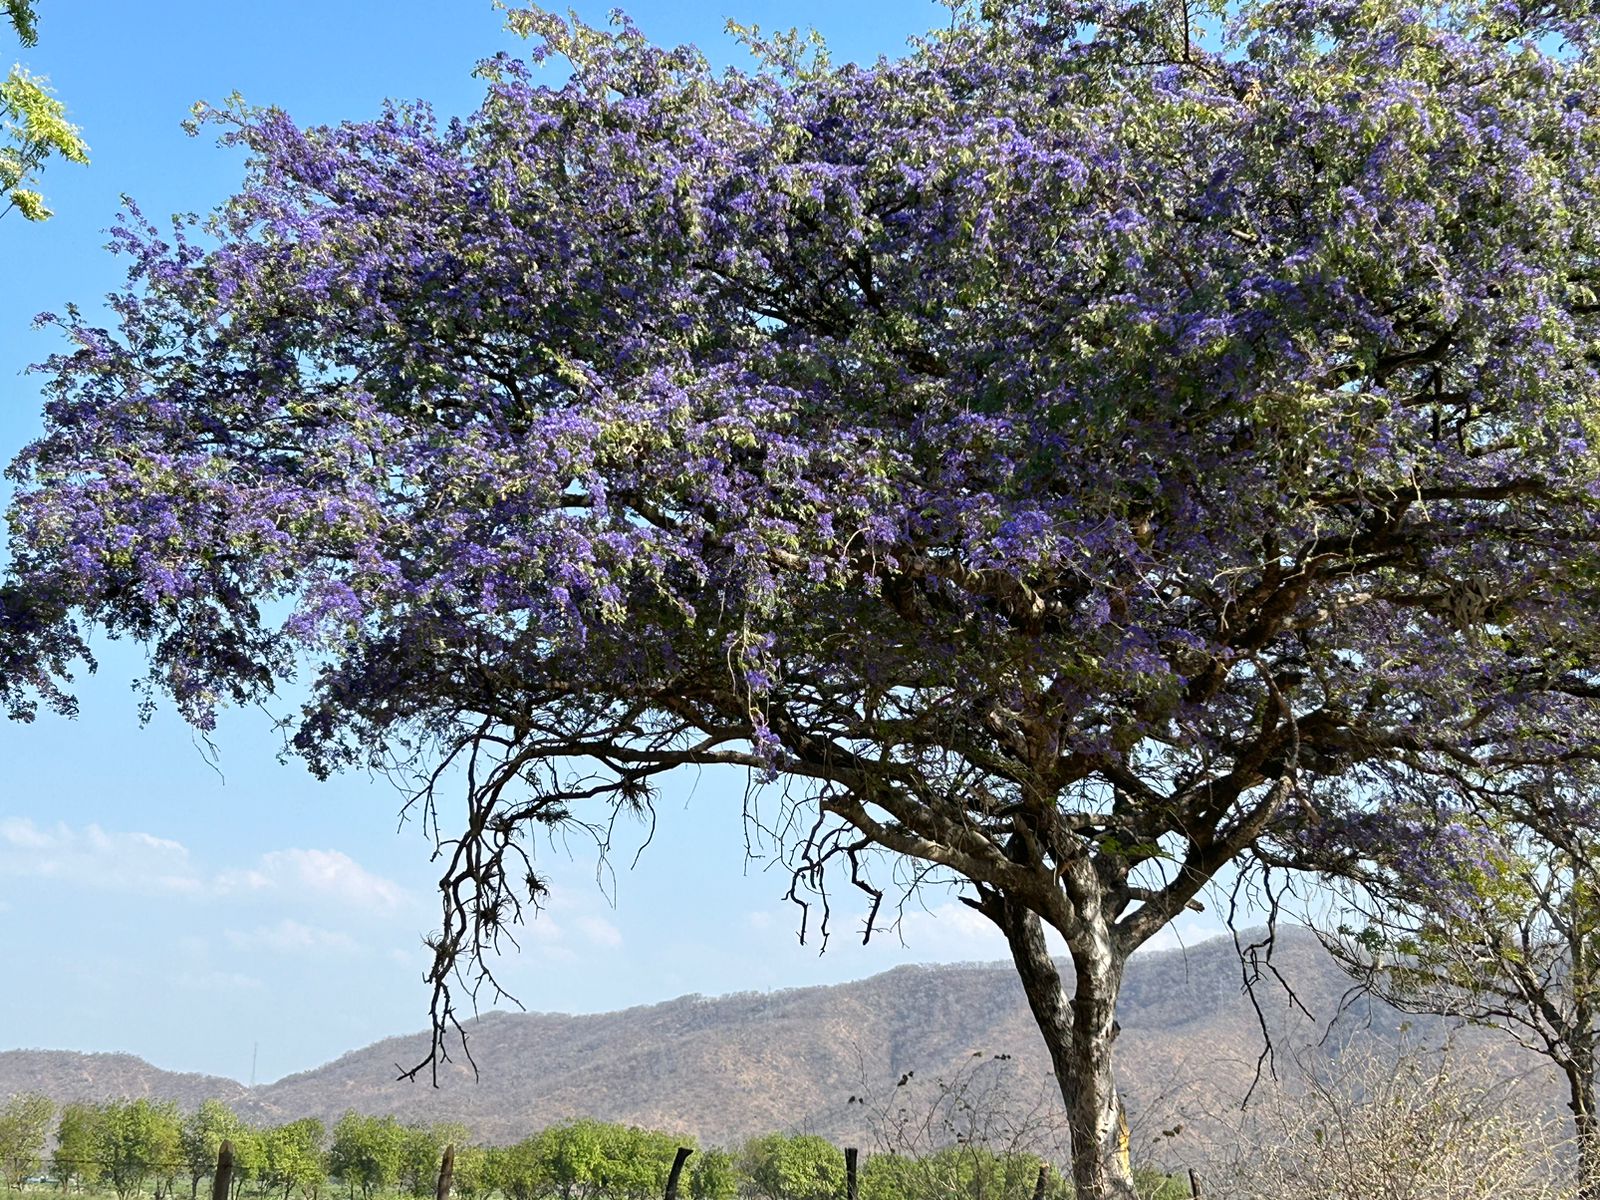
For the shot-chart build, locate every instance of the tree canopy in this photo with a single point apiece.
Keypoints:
(24, 21)
(33, 125)
(1074, 456)
(25, 1122)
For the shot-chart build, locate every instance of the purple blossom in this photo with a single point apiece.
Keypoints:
(1188, 421)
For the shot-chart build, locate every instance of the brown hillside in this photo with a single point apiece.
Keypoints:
(66, 1077)
(725, 1068)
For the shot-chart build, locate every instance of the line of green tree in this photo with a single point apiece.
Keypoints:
(145, 1147)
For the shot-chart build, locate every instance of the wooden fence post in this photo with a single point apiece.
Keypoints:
(851, 1154)
(447, 1170)
(222, 1181)
(677, 1170)
(1194, 1183)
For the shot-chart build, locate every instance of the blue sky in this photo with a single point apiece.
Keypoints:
(187, 906)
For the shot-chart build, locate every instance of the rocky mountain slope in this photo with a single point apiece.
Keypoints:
(66, 1077)
(725, 1068)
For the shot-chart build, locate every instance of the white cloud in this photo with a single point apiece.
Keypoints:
(292, 937)
(953, 919)
(951, 931)
(217, 981)
(541, 927)
(599, 931)
(331, 874)
(1188, 930)
(89, 856)
(543, 939)
(23, 833)
(561, 931)
(565, 918)
(554, 952)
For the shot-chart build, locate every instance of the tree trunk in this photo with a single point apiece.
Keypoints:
(1078, 1033)
(1580, 1072)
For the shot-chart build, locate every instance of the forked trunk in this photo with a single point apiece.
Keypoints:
(1078, 1033)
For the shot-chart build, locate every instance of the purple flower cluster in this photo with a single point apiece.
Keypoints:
(1052, 404)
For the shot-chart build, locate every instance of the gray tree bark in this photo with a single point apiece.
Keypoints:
(1078, 1032)
(1579, 1069)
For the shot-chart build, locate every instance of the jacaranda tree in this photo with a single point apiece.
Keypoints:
(1103, 445)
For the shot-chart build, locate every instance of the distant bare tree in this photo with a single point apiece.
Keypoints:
(1505, 932)
(1388, 1125)
(980, 1103)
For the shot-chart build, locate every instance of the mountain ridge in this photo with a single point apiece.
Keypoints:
(723, 1068)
